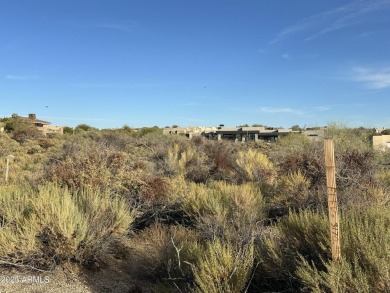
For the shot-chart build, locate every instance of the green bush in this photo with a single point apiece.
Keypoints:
(292, 192)
(281, 246)
(84, 163)
(188, 163)
(365, 262)
(256, 167)
(223, 210)
(296, 153)
(294, 253)
(224, 268)
(54, 225)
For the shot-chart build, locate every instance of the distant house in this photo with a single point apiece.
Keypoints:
(231, 133)
(189, 132)
(269, 134)
(43, 126)
(381, 142)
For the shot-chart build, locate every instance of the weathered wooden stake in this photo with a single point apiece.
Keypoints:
(9, 157)
(332, 199)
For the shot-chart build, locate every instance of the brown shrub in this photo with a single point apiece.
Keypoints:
(154, 255)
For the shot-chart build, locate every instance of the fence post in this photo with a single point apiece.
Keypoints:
(9, 157)
(332, 199)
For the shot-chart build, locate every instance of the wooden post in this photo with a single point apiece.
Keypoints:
(332, 199)
(9, 157)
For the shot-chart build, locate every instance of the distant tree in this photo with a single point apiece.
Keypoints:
(14, 115)
(21, 129)
(386, 132)
(68, 130)
(127, 129)
(175, 126)
(85, 127)
(244, 125)
(9, 126)
(296, 128)
(149, 130)
(257, 125)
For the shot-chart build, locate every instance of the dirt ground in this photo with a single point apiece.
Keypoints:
(114, 277)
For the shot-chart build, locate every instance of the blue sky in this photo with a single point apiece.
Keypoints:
(196, 62)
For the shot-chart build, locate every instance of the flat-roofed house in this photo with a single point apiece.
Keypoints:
(231, 133)
(189, 132)
(250, 133)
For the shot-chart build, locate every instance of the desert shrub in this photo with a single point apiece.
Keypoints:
(365, 262)
(117, 139)
(383, 178)
(9, 126)
(292, 192)
(23, 130)
(296, 153)
(356, 165)
(355, 168)
(85, 163)
(201, 160)
(7, 145)
(255, 166)
(376, 195)
(84, 127)
(29, 160)
(354, 155)
(280, 248)
(382, 167)
(221, 157)
(223, 210)
(165, 253)
(224, 267)
(187, 162)
(155, 188)
(68, 130)
(346, 138)
(294, 253)
(48, 142)
(158, 201)
(48, 226)
(146, 131)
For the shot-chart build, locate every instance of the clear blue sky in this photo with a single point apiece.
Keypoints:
(196, 62)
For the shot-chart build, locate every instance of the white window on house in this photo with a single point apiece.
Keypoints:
(388, 145)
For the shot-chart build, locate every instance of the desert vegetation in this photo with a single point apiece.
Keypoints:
(197, 215)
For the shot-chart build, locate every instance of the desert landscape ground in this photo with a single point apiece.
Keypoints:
(119, 210)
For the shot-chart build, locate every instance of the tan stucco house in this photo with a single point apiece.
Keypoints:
(381, 142)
